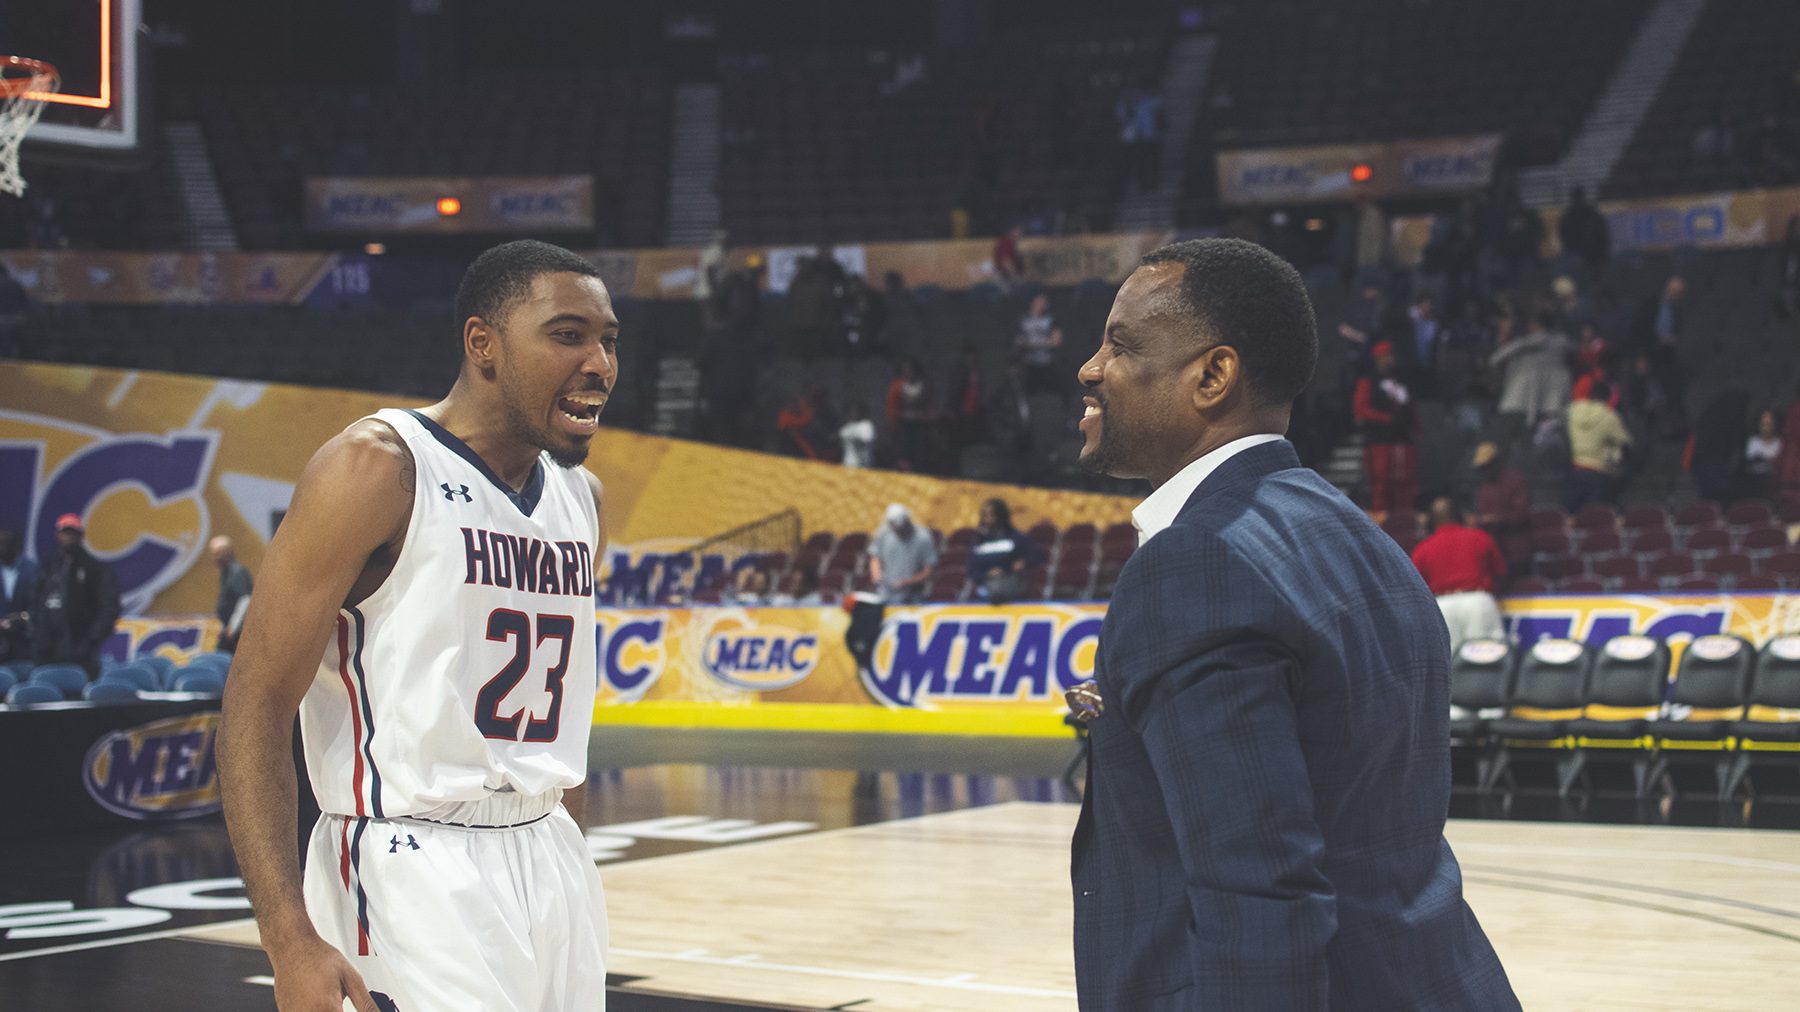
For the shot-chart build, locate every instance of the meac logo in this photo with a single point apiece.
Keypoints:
(759, 657)
(161, 770)
(975, 654)
(632, 650)
(141, 495)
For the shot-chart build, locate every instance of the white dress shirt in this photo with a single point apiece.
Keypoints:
(1156, 513)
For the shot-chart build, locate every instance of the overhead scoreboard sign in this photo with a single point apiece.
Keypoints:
(1337, 172)
(373, 205)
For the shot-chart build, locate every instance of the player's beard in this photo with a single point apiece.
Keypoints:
(540, 435)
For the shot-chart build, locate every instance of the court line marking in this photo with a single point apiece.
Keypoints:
(103, 943)
(738, 848)
(956, 982)
(1679, 894)
(1758, 864)
(1636, 904)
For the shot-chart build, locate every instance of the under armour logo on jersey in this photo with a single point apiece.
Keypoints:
(450, 494)
(394, 845)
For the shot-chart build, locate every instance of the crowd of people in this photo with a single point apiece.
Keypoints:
(1521, 353)
(64, 609)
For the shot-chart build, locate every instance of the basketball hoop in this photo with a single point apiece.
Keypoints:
(25, 85)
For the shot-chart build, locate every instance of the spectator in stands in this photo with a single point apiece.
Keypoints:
(1361, 327)
(857, 436)
(1712, 147)
(865, 316)
(1463, 567)
(1571, 310)
(1035, 344)
(799, 589)
(968, 395)
(1584, 232)
(910, 417)
(1667, 327)
(1427, 332)
(76, 604)
(1597, 442)
(1592, 354)
(1000, 556)
(1139, 112)
(1383, 407)
(1716, 449)
(18, 581)
(1521, 241)
(1503, 504)
(235, 585)
(1536, 370)
(751, 588)
(1007, 266)
(799, 423)
(901, 557)
(1762, 457)
(1644, 404)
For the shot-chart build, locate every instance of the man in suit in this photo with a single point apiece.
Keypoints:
(18, 582)
(1270, 772)
(77, 602)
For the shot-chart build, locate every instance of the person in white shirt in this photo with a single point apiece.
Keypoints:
(858, 438)
(1762, 455)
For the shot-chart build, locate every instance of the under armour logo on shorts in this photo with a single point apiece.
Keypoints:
(450, 494)
(394, 845)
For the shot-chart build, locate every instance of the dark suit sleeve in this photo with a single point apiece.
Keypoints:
(1208, 685)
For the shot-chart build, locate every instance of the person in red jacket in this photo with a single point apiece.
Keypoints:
(1384, 410)
(1462, 566)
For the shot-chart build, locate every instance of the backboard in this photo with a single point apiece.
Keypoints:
(94, 45)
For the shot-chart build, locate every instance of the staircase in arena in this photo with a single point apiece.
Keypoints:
(206, 224)
(1621, 107)
(1184, 85)
(694, 166)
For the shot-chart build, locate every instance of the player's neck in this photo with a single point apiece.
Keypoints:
(484, 430)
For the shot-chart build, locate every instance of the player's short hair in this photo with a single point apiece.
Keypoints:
(1240, 294)
(504, 274)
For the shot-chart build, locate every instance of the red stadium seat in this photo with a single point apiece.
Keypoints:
(1698, 513)
(1750, 513)
(1653, 540)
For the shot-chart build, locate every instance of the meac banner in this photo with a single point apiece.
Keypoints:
(157, 464)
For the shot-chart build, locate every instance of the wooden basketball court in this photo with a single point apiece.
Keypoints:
(898, 883)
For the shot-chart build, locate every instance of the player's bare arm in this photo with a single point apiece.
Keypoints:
(575, 798)
(340, 536)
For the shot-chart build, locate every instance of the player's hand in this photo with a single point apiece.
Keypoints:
(317, 978)
(1085, 702)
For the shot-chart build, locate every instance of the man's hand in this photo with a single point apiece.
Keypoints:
(1085, 702)
(317, 978)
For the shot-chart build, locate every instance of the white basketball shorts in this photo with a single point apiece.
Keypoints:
(501, 911)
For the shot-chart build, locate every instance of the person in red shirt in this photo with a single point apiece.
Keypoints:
(1462, 565)
(1384, 410)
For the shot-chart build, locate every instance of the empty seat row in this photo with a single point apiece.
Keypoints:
(1565, 707)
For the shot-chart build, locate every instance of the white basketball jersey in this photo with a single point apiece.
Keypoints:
(471, 669)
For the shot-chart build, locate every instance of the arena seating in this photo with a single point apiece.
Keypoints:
(612, 123)
(1313, 72)
(1573, 712)
(1744, 548)
(822, 148)
(1740, 66)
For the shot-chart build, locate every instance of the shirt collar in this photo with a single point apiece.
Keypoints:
(1156, 513)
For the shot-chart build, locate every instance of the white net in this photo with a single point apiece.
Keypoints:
(23, 87)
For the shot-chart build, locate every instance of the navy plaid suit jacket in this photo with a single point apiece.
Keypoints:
(1264, 820)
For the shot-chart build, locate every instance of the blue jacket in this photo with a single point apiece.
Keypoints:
(1264, 820)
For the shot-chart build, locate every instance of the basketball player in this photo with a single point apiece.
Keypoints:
(427, 608)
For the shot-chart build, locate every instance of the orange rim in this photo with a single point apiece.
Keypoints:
(33, 71)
